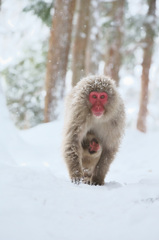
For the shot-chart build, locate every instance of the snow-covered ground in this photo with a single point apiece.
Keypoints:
(38, 201)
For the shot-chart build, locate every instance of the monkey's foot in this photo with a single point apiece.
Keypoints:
(96, 181)
(86, 180)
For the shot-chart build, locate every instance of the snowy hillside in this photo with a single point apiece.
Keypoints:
(38, 201)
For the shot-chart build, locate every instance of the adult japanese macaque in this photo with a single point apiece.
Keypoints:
(94, 125)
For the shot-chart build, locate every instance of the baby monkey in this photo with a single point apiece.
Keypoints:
(91, 152)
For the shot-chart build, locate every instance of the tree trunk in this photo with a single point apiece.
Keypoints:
(113, 54)
(80, 42)
(93, 53)
(147, 57)
(59, 46)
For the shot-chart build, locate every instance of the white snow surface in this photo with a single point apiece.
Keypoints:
(38, 201)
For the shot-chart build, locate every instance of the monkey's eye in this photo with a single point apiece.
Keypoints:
(102, 97)
(94, 96)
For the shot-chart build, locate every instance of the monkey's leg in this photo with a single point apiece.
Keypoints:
(89, 162)
(87, 166)
(87, 176)
(90, 157)
(102, 167)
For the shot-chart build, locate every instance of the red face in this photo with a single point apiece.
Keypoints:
(98, 100)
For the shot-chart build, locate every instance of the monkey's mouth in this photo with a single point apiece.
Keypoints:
(97, 114)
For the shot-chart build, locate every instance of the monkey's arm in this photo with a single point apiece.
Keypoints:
(72, 152)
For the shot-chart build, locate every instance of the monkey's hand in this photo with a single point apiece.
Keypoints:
(94, 146)
(76, 177)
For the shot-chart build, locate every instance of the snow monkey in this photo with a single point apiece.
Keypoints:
(94, 125)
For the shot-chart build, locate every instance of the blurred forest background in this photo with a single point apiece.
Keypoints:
(48, 45)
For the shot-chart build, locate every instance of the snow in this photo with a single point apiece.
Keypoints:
(38, 201)
(19, 33)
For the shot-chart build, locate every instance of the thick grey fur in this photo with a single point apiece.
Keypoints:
(79, 122)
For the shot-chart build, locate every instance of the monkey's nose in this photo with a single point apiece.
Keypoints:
(98, 105)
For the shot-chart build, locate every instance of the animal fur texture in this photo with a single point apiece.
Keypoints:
(81, 125)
